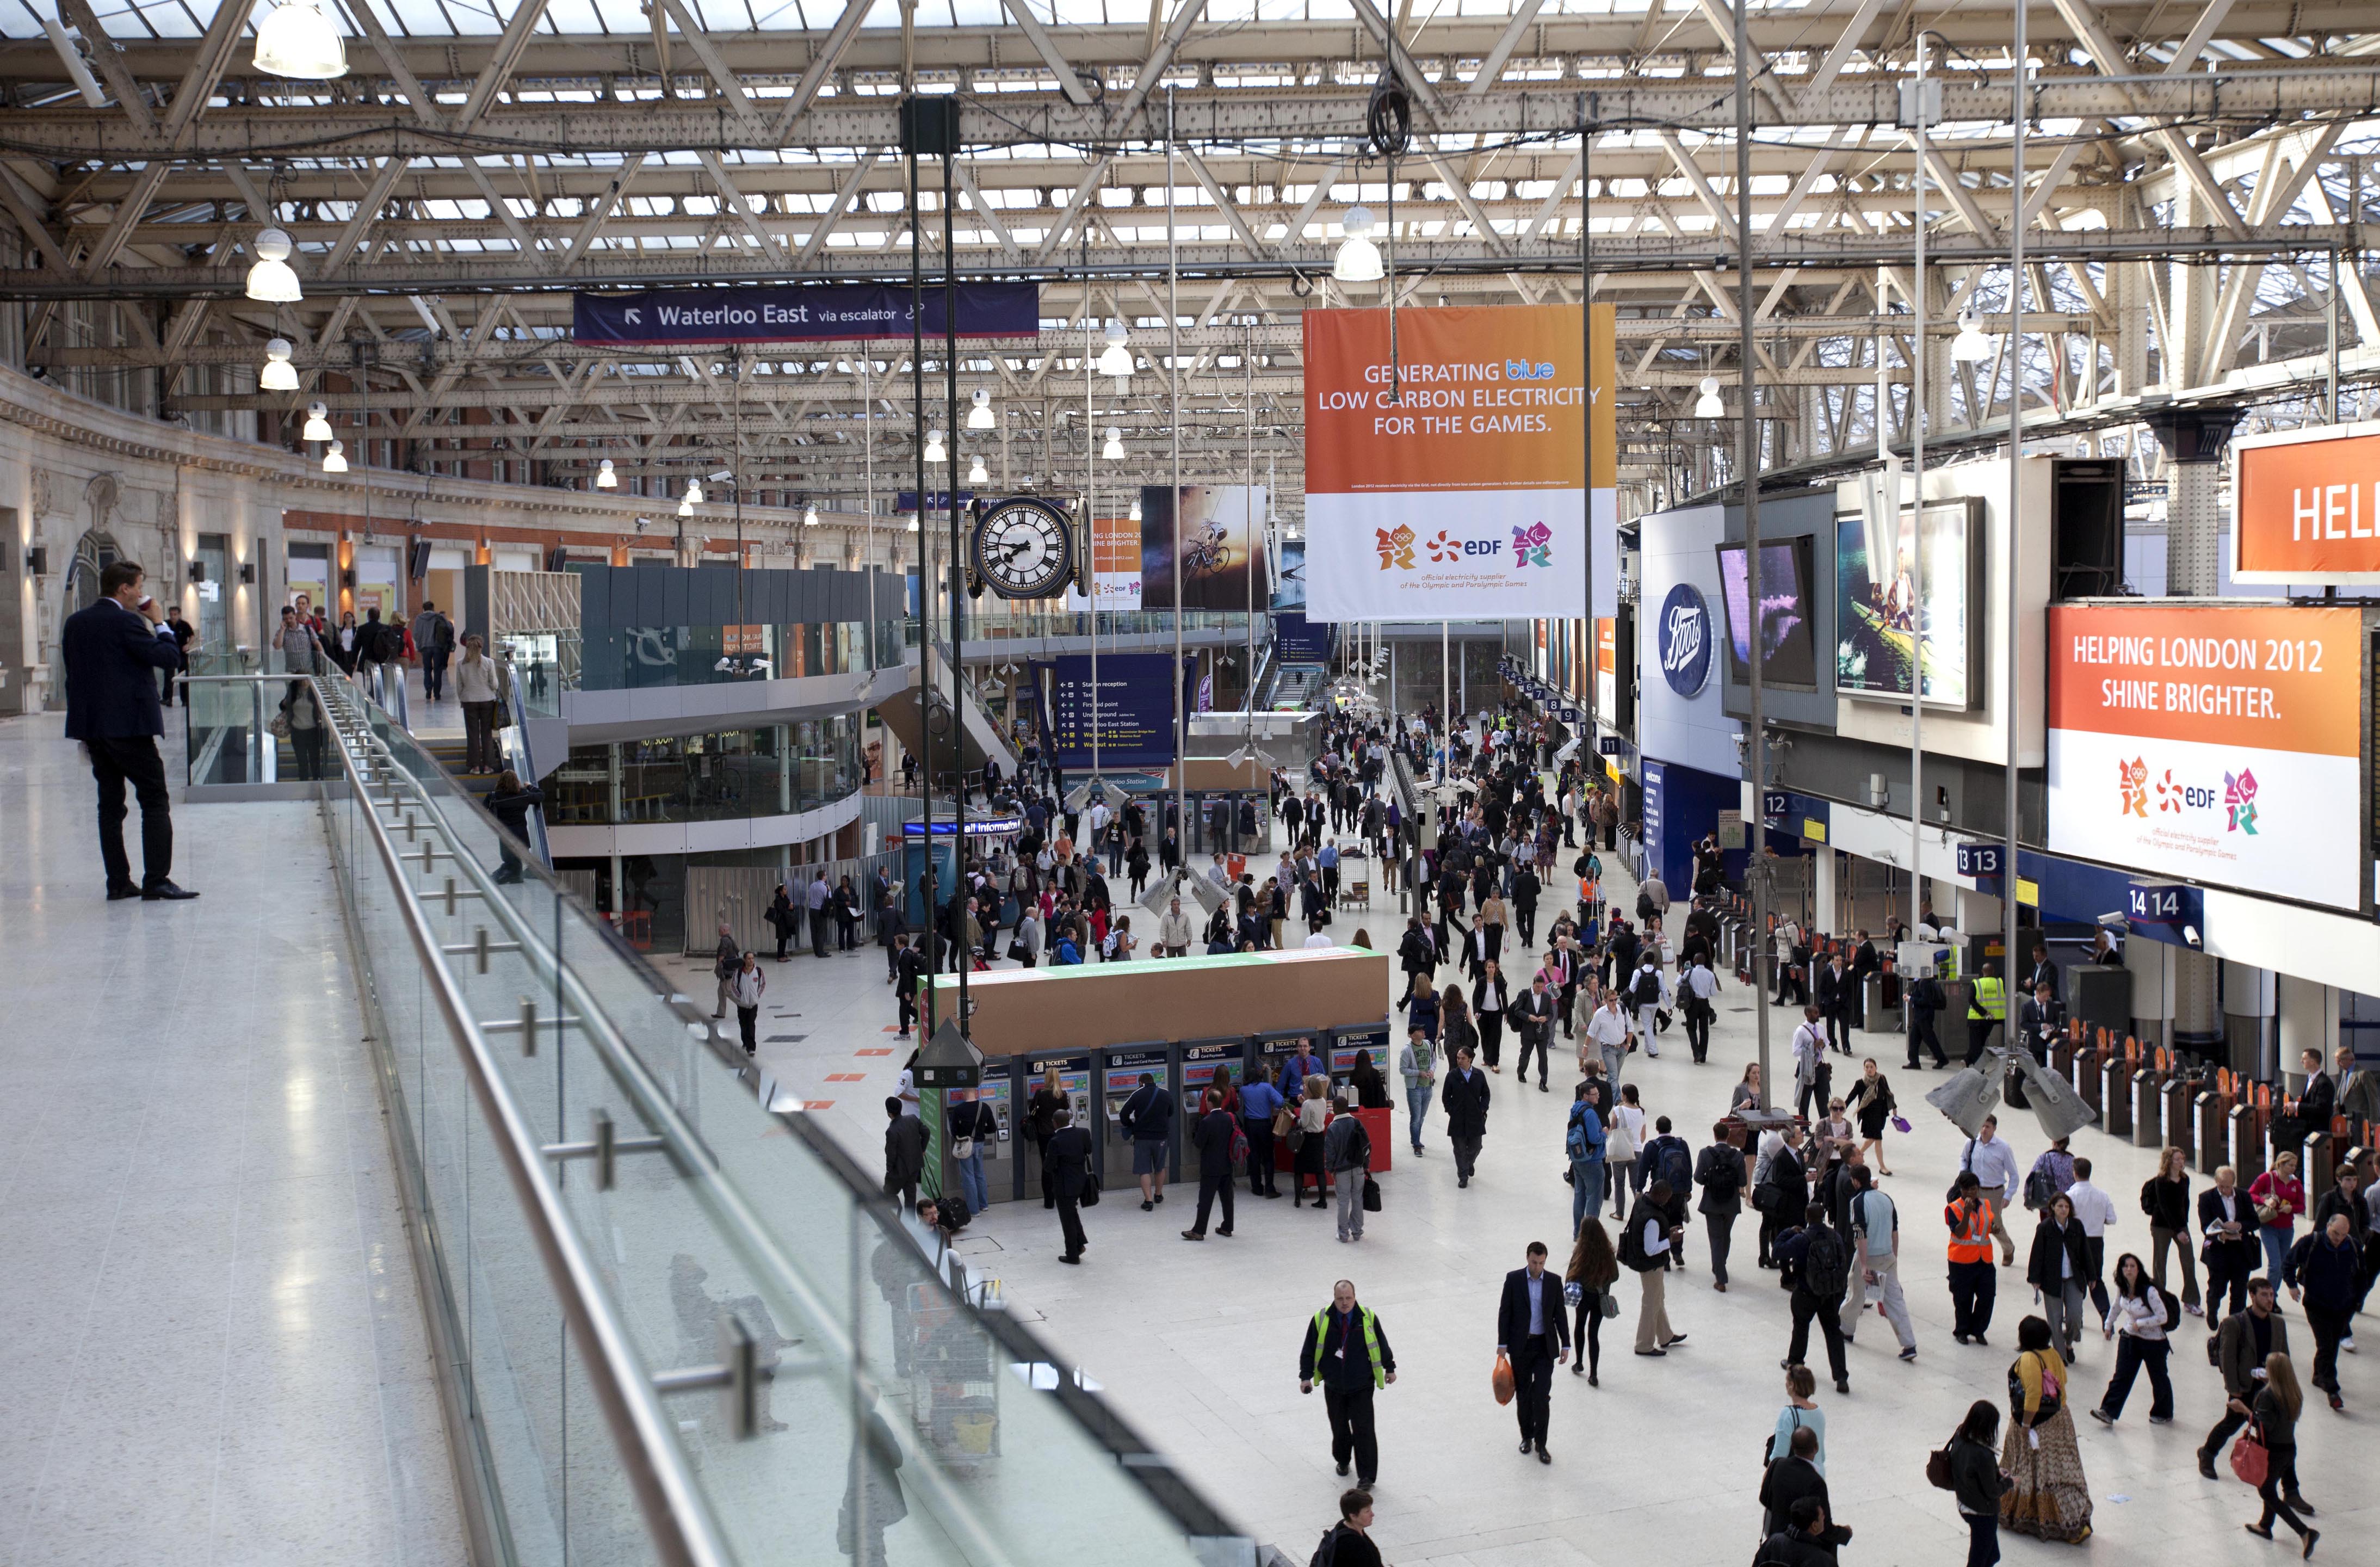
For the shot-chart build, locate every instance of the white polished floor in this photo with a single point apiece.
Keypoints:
(1198, 1344)
(212, 1348)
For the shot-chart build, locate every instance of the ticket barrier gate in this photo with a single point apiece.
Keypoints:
(1024, 1076)
(1119, 1070)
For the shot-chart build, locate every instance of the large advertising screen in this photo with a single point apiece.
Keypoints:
(2309, 507)
(1223, 561)
(1288, 580)
(1115, 565)
(1879, 619)
(1464, 497)
(2220, 745)
(1134, 702)
(1786, 646)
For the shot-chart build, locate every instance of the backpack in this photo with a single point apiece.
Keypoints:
(2040, 1189)
(1327, 1554)
(1677, 1169)
(1725, 1179)
(1826, 1267)
(954, 1211)
(2172, 1304)
(1644, 905)
(1647, 992)
(1632, 1247)
(1574, 1141)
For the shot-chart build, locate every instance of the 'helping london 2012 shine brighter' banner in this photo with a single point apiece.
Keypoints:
(1466, 496)
(2221, 745)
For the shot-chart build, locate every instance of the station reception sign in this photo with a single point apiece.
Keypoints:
(2216, 745)
(1448, 481)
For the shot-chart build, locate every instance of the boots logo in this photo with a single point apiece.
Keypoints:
(1684, 639)
(1533, 545)
(1396, 548)
(2133, 779)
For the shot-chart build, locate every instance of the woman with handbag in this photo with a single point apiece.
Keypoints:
(1306, 1131)
(1593, 1269)
(2279, 1197)
(1971, 1471)
(1873, 1097)
(2278, 1404)
(2051, 1498)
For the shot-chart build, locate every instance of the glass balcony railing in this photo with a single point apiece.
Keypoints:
(674, 1323)
(630, 658)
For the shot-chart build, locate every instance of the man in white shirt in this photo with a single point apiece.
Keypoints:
(1647, 992)
(2095, 1211)
(1696, 991)
(1812, 1076)
(1219, 875)
(1607, 1031)
(1995, 1165)
(1320, 937)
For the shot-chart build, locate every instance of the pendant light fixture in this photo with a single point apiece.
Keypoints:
(1135, 510)
(934, 453)
(604, 478)
(694, 491)
(809, 515)
(684, 506)
(334, 460)
(1971, 346)
(1113, 450)
(318, 422)
(1359, 259)
(976, 473)
(979, 416)
(278, 375)
(1116, 360)
(271, 280)
(298, 41)
(1709, 406)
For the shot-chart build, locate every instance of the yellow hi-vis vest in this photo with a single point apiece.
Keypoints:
(1371, 1343)
(1990, 1000)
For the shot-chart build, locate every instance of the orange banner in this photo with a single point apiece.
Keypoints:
(1487, 398)
(2309, 507)
(2270, 678)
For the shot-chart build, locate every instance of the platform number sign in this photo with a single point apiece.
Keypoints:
(1979, 860)
(2173, 906)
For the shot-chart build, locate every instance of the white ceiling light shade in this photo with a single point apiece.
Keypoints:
(1359, 259)
(1135, 510)
(1113, 450)
(318, 422)
(271, 280)
(1708, 405)
(278, 375)
(604, 478)
(934, 453)
(912, 524)
(298, 41)
(334, 460)
(684, 506)
(694, 491)
(1971, 346)
(976, 473)
(979, 416)
(1115, 359)
(809, 515)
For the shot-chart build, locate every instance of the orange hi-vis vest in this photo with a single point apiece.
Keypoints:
(1971, 1235)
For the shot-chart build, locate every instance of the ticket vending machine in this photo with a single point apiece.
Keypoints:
(997, 1090)
(1201, 1058)
(1276, 1046)
(1119, 1067)
(1025, 1081)
(1349, 1042)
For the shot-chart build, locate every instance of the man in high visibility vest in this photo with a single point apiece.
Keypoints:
(1986, 1010)
(1346, 1351)
(1973, 1286)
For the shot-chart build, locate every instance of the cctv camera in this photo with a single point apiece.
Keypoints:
(643, 522)
(722, 477)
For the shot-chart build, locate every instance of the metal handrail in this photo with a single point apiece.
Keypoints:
(683, 1530)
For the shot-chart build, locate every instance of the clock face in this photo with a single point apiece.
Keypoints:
(1024, 548)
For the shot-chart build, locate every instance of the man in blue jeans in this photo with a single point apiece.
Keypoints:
(972, 1126)
(1582, 1141)
(1418, 1064)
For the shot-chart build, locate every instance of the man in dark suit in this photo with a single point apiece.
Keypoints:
(1532, 1329)
(1532, 1014)
(1836, 993)
(113, 651)
(2226, 1219)
(1464, 1098)
(1067, 1155)
(2042, 972)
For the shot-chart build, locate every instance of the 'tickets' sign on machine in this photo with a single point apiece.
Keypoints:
(2218, 745)
(2309, 507)
(1466, 496)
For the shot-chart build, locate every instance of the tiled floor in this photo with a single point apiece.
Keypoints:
(1197, 1343)
(214, 1349)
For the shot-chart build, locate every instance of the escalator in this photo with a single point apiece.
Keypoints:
(980, 736)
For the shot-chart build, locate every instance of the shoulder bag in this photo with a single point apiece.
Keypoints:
(2251, 1459)
(1091, 1197)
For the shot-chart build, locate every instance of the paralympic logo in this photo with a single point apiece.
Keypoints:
(1532, 546)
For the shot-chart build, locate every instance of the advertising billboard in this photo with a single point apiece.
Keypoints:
(2309, 507)
(1115, 565)
(2220, 745)
(1289, 577)
(1878, 616)
(1223, 558)
(1134, 703)
(1786, 647)
(1464, 495)
(1681, 716)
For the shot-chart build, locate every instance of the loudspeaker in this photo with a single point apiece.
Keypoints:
(2086, 529)
(929, 127)
(2101, 998)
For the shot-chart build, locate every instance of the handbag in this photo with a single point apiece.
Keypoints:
(1901, 1124)
(2251, 1459)
(1280, 1119)
(1937, 1469)
(1500, 1380)
(1371, 1195)
(1091, 1197)
(1016, 950)
(1296, 1138)
(1611, 1305)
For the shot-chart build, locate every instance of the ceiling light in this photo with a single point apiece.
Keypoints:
(1359, 259)
(1971, 346)
(810, 515)
(976, 472)
(693, 493)
(271, 281)
(277, 374)
(912, 524)
(334, 460)
(318, 422)
(1135, 510)
(1708, 405)
(684, 507)
(1116, 360)
(298, 41)
(934, 447)
(980, 417)
(1113, 450)
(604, 478)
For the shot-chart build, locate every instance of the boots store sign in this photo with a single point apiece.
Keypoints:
(2221, 745)
(1682, 639)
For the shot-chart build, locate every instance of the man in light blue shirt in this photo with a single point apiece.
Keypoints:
(1995, 1166)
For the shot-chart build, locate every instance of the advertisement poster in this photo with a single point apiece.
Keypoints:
(1134, 709)
(1878, 616)
(1223, 562)
(2309, 507)
(2216, 745)
(799, 313)
(1289, 576)
(1464, 495)
(1115, 564)
(1786, 655)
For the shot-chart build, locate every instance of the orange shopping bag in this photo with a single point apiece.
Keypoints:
(1502, 1378)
